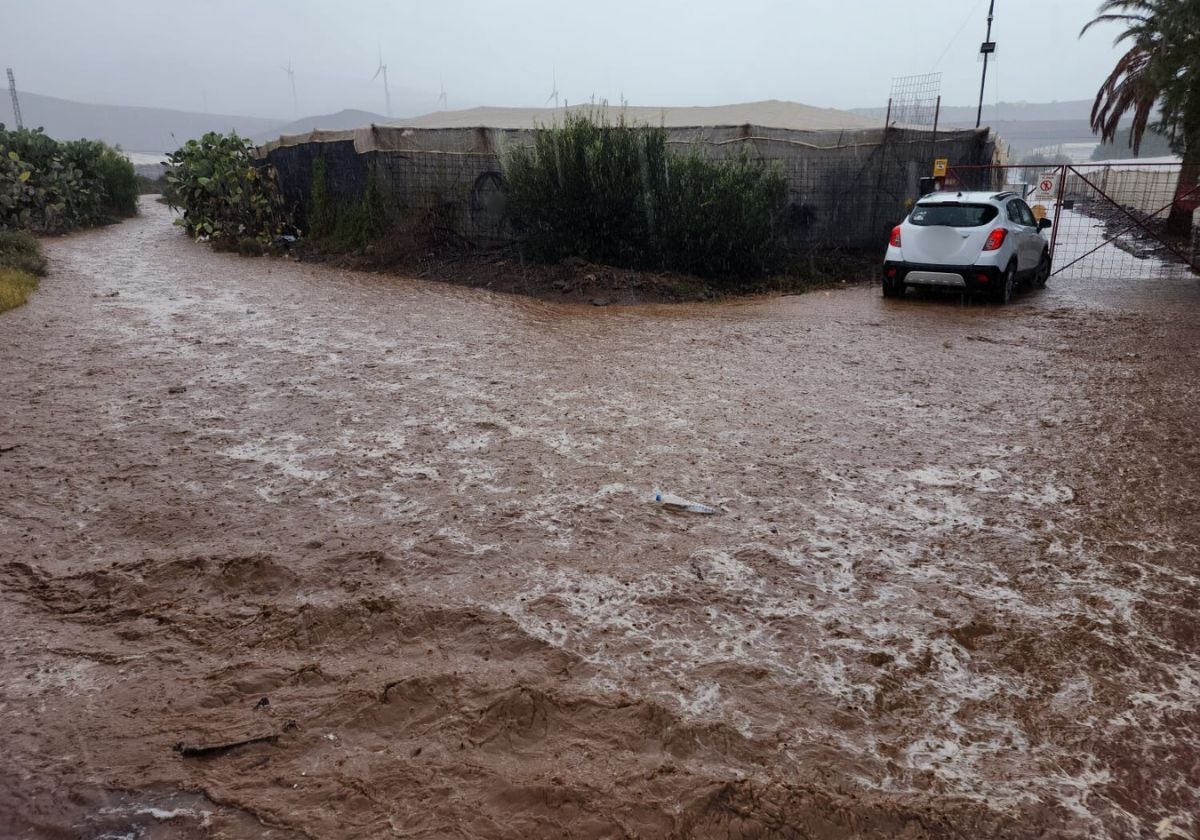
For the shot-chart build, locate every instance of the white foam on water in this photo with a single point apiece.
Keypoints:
(468, 546)
(70, 678)
(283, 452)
(471, 443)
(704, 700)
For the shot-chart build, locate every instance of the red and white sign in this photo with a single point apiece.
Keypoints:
(1046, 184)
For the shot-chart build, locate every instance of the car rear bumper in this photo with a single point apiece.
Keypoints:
(970, 278)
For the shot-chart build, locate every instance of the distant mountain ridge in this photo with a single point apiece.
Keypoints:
(1029, 125)
(133, 128)
(1025, 125)
(1075, 109)
(341, 121)
(771, 113)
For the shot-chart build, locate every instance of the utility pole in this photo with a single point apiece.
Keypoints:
(12, 88)
(987, 49)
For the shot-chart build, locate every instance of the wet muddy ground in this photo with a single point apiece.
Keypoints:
(399, 536)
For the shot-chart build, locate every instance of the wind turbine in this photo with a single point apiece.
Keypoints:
(554, 88)
(442, 101)
(387, 94)
(292, 78)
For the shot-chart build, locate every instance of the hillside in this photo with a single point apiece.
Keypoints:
(341, 121)
(132, 128)
(772, 113)
(1024, 125)
(1076, 110)
(1030, 125)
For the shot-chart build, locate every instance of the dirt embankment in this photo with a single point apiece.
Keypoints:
(290, 551)
(575, 280)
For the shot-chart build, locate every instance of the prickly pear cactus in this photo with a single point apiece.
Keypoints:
(52, 187)
(223, 191)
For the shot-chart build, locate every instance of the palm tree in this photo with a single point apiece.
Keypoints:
(1161, 68)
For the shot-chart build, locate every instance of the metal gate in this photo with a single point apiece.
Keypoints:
(1109, 219)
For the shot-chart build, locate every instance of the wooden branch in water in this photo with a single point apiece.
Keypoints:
(203, 750)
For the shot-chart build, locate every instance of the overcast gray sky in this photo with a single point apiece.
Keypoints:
(226, 57)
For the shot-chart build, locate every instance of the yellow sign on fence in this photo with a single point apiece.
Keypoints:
(940, 166)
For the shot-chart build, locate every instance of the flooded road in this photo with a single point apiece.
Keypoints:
(401, 537)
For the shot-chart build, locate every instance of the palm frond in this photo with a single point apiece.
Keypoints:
(1160, 67)
(1110, 19)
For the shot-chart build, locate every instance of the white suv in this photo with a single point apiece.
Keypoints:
(981, 243)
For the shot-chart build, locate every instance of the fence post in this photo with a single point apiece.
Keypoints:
(1058, 203)
(937, 113)
(1196, 240)
(883, 141)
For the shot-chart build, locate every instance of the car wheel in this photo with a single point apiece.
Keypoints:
(892, 288)
(1007, 285)
(1043, 271)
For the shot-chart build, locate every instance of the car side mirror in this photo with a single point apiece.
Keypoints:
(1044, 224)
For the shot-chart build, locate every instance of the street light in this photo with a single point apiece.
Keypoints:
(987, 49)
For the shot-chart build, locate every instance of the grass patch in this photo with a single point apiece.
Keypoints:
(21, 263)
(15, 288)
(20, 250)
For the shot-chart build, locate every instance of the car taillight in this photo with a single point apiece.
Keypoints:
(896, 236)
(995, 239)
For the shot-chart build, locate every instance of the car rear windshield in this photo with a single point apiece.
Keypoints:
(952, 215)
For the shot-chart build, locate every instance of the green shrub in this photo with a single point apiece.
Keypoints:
(248, 246)
(321, 212)
(364, 222)
(614, 194)
(588, 189)
(83, 192)
(223, 191)
(21, 251)
(36, 148)
(721, 217)
(351, 226)
(120, 184)
(30, 194)
(54, 187)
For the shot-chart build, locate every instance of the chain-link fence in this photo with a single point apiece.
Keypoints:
(1123, 219)
(847, 188)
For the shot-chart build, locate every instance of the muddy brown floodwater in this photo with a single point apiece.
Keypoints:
(400, 537)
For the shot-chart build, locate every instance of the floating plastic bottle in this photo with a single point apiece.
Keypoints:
(676, 503)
